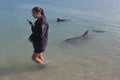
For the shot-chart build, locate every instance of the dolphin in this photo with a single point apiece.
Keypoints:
(77, 39)
(98, 31)
(61, 20)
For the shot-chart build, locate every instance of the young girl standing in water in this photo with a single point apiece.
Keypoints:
(39, 36)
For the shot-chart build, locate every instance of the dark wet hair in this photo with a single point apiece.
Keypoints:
(38, 9)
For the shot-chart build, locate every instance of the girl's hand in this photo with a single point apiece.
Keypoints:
(30, 40)
(30, 23)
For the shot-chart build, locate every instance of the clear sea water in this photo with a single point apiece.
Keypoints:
(97, 58)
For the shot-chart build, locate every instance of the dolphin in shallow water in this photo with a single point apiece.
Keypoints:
(98, 31)
(77, 39)
(61, 20)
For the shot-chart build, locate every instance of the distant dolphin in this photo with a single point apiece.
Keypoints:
(61, 20)
(77, 39)
(98, 31)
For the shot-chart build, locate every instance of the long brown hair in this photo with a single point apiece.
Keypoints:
(38, 9)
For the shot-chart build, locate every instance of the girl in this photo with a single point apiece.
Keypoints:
(39, 34)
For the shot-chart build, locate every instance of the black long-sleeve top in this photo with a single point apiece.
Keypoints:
(39, 34)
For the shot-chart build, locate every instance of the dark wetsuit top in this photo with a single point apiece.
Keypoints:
(39, 35)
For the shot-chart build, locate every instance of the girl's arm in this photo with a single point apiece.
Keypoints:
(44, 29)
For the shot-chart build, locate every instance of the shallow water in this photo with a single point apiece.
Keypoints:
(96, 58)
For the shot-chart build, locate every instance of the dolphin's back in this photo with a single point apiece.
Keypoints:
(77, 39)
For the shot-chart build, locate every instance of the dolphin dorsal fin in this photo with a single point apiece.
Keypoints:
(85, 34)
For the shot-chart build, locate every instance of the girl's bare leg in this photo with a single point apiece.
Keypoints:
(37, 57)
(41, 57)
